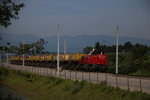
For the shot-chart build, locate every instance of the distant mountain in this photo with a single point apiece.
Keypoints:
(74, 43)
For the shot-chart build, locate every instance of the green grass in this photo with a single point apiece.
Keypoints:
(39, 87)
(3, 73)
(8, 97)
(142, 73)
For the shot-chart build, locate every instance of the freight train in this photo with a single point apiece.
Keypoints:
(91, 62)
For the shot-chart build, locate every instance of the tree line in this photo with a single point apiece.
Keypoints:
(28, 48)
(123, 48)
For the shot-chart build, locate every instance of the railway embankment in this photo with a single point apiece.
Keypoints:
(9, 94)
(127, 82)
(39, 87)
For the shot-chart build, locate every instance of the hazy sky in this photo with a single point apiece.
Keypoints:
(83, 17)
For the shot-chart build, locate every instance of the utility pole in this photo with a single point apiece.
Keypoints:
(23, 52)
(65, 46)
(58, 50)
(7, 51)
(7, 57)
(117, 37)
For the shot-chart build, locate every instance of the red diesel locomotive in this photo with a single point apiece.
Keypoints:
(95, 61)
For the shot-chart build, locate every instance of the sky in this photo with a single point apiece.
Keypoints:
(77, 17)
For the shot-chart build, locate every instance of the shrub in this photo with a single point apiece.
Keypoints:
(3, 73)
(74, 87)
(8, 97)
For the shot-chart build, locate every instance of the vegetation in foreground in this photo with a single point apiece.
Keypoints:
(8, 97)
(39, 87)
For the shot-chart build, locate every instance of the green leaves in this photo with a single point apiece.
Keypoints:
(3, 73)
(9, 10)
(87, 49)
(139, 51)
(33, 48)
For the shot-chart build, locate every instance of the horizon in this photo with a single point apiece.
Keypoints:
(66, 35)
(74, 43)
(91, 17)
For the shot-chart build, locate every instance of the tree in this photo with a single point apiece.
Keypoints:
(128, 46)
(87, 49)
(39, 46)
(139, 51)
(6, 48)
(9, 9)
(33, 48)
(98, 47)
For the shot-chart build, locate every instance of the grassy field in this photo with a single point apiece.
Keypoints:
(39, 87)
(142, 73)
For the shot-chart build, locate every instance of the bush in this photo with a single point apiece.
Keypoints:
(111, 63)
(146, 64)
(57, 81)
(54, 82)
(3, 73)
(103, 83)
(74, 87)
(141, 64)
(8, 97)
(125, 64)
(129, 63)
(142, 72)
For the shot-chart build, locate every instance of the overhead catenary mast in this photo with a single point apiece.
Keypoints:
(65, 46)
(7, 57)
(23, 42)
(58, 32)
(117, 38)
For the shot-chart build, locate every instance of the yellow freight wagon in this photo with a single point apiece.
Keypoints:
(49, 60)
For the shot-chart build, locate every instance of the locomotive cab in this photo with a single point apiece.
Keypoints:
(95, 61)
